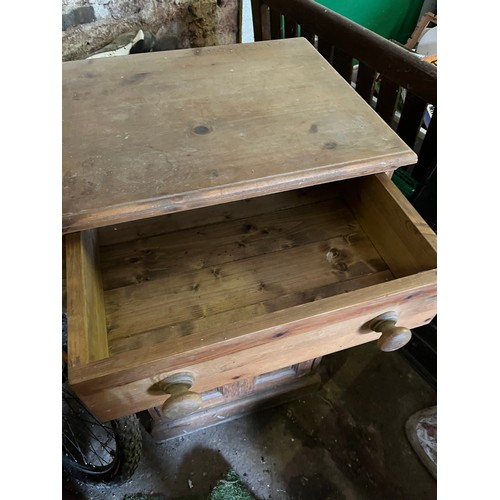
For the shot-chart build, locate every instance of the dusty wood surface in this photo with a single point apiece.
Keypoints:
(255, 286)
(387, 71)
(149, 134)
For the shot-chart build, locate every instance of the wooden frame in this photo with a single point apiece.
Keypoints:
(244, 235)
(257, 335)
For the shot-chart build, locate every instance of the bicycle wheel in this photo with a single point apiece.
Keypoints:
(96, 452)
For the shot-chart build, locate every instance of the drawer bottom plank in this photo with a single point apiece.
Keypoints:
(181, 332)
(246, 268)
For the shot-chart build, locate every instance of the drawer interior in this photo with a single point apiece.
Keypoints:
(180, 276)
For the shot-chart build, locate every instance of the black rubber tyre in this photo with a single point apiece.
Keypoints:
(93, 451)
(96, 452)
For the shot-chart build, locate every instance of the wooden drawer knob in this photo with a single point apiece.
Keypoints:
(393, 337)
(182, 401)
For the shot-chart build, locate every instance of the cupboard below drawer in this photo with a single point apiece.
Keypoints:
(240, 289)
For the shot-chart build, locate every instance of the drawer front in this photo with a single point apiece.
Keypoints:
(296, 283)
(283, 345)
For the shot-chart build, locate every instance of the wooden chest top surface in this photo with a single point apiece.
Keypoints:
(149, 134)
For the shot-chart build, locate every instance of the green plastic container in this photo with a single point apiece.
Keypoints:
(392, 19)
(405, 182)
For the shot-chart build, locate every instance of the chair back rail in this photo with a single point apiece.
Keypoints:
(387, 58)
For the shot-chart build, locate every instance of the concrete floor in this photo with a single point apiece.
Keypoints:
(344, 441)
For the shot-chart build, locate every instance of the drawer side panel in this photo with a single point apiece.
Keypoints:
(86, 315)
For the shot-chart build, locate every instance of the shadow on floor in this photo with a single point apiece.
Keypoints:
(345, 441)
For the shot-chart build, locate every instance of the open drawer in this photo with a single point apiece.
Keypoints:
(240, 289)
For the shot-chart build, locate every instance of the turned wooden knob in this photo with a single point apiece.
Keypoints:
(393, 337)
(182, 401)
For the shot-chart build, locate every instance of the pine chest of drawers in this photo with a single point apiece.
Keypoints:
(227, 215)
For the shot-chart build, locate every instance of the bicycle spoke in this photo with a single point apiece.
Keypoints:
(87, 442)
(75, 444)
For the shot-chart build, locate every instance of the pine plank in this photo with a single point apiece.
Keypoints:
(399, 233)
(183, 331)
(182, 296)
(198, 248)
(85, 301)
(237, 210)
(122, 383)
(164, 132)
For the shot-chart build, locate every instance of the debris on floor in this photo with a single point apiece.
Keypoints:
(345, 440)
(421, 429)
(231, 488)
(140, 496)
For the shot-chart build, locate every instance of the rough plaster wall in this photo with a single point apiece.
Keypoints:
(89, 25)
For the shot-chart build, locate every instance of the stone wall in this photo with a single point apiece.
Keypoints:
(89, 25)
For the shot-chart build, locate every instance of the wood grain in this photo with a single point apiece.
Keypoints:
(217, 244)
(121, 384)
(154, 226)
(230, 408)
(180, 283)
(229, 328)
(156, 133)
(399, 233)
(85, 302)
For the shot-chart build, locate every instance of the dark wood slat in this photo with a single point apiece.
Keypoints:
(364, 82)
(257, 9)
(411, 118)
(427, 156)
(387, 99)
(342, 62)
(307, 34)
(275, 20)
(325, 49)
(290, 28)
(424, 198)
(265, 15)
